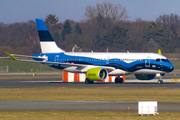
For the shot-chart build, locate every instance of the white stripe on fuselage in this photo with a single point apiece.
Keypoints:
(147, 71)
(126, 57)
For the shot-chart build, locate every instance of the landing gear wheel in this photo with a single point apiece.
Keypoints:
(87, 81)
(118, 80)
(160, 81)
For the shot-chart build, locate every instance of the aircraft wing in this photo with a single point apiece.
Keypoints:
(43, 60)
(26, 56)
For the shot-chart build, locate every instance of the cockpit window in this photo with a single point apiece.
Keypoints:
(162, 60)
(167, 60)
(158, 60)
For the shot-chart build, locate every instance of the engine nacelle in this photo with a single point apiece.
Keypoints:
(145, 76)
(97, 74)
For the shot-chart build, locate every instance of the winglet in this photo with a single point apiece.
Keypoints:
(159, 51)
(12, 57)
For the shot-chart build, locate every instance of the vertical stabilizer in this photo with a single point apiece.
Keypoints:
(47, 43)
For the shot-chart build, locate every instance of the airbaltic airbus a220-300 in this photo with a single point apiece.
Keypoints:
(98, 65)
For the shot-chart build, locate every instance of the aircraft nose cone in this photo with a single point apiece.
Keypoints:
(170, 69)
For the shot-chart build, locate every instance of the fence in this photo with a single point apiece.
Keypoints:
(4, 68)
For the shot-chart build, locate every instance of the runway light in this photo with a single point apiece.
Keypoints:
(128, 108)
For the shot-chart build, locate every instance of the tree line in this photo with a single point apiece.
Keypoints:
(106, 27)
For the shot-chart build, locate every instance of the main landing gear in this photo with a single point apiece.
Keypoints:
(87, 81)
(160, 81)
(118, 80)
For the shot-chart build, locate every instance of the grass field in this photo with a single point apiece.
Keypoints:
(176, 65)
(90, 94)
(83, 115)
(81, 94)
(19, 66)
(87, 94)
(33, 77)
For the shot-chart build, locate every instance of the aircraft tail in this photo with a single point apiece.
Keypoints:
(47, 43)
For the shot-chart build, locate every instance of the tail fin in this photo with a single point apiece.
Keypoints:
(47, 43)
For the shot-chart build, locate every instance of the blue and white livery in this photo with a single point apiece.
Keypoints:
(98, 65)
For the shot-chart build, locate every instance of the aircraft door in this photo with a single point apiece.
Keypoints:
(107, 60)
(147, 63)
(56, 59)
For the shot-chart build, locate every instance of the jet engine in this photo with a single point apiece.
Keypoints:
(99, 73)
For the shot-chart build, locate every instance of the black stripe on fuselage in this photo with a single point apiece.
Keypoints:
(142, 65)
(132, 69)
(44, 35)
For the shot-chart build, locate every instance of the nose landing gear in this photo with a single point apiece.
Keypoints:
(160, 81)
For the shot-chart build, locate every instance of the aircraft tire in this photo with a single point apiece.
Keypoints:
(161, 82)
(118, 80)
(87, 81)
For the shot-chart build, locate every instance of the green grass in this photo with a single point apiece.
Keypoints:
(19, 66)
(176, 65)
(84, 115)
(90, 94)
(33, 77)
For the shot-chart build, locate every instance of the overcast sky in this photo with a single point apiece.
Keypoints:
(23, 10)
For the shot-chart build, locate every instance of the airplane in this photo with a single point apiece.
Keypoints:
(98, 65)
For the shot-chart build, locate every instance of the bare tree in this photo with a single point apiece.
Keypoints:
(106, 10)
(171, 22)
(51, 19)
